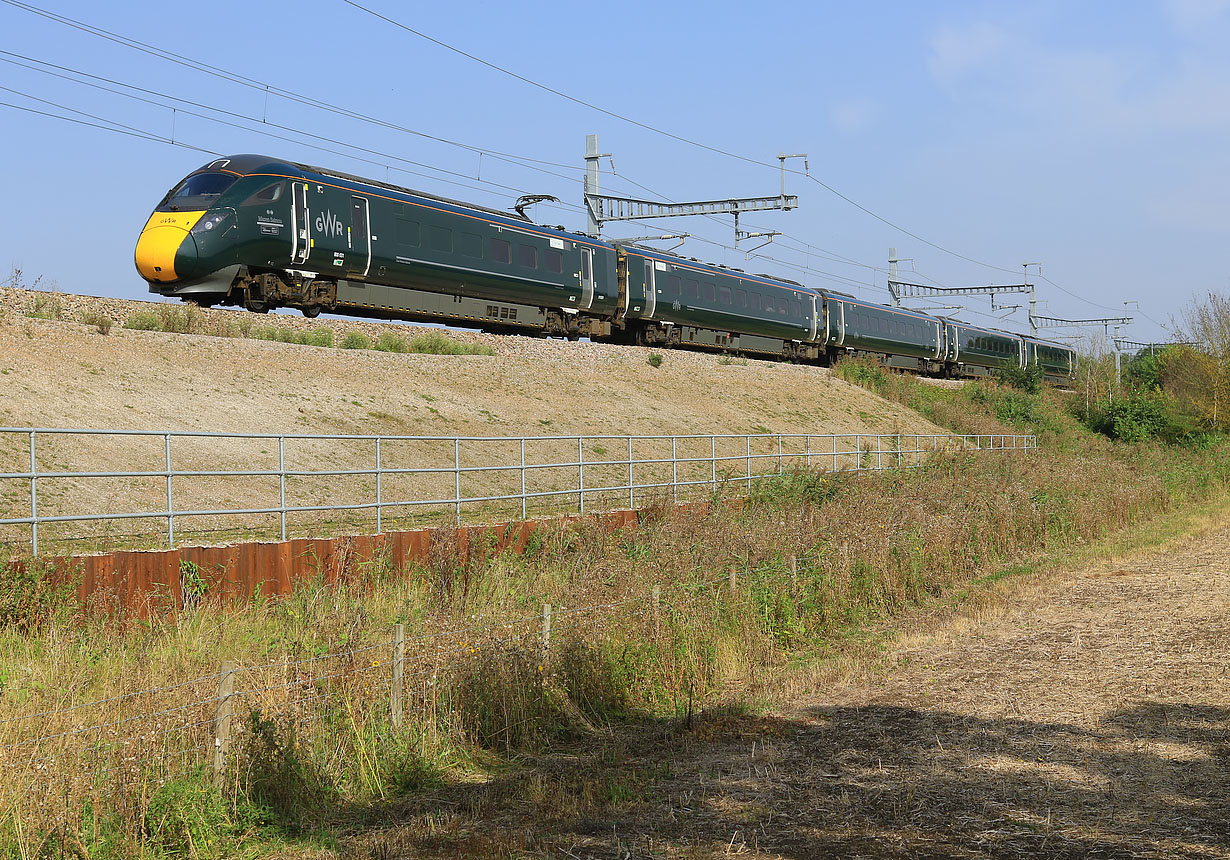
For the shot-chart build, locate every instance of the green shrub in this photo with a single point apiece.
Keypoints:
(100, 321)
(143, 321)
(389, 342)
(1027, 378)
(862, 372)
(438, 343)
(356, 340)
(655, 359)
(47, 307)
(34, 593)
(180, 319)
(1141, 416)
(319, 336)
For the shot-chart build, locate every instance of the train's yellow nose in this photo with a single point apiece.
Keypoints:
(161, 239)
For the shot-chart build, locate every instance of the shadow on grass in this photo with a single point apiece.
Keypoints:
(880, 781)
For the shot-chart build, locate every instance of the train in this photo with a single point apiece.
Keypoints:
(261, 233)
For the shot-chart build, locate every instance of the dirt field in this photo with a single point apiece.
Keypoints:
(61, 373)
(57, 373)
(1085, 715)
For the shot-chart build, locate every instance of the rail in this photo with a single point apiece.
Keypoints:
(181, 477)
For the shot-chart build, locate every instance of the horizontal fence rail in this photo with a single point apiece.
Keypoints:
(73, 486)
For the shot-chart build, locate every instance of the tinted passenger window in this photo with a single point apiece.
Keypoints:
(501, 251)
(706, 291)
(741, 298)
(472, 245)
(553, 260)
(693, 289)
(797, 307)
(756, 301)
(527, 255)
(724, 295)
(768, 304)
(675, 285)
(441, 239)
(408, 233)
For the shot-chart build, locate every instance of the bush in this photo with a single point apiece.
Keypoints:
(1139, 417)
(655, 359)
(47, 307)
(184, 319)
(34, 593)
(356, 340)
(389, 342)
(102, 322)
(319, 336)
(143, 321)
(862, 372)
(438, 343)
(1027, 378)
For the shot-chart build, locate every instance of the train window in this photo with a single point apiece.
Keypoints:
(756, 301)
(408, 233)
(527, 255)
(199, 188)
(768, 304)
(472, 245)
(501, 251)
(692, 289)
(724, 295)
(268, 194)
(674, 284)
(441, 239)
(741, 298)
(553, 260)
(797, 308)
(706, 291)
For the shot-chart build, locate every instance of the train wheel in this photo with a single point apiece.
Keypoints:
(312, 312)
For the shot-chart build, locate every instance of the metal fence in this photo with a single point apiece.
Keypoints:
(275, 485)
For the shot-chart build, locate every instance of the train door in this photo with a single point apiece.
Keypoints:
(651, 291)
(359, 260)
(815, 319)
(841, 323)
(300, 225)
(587, 277)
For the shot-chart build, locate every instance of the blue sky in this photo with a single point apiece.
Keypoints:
(1090, 136)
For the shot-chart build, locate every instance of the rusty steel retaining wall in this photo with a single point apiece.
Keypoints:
(152, 582)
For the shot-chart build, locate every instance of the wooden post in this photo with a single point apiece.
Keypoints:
(399, 660)
(794, 572)
(546, 630)
(657, 611)
(222, 719)
(731, 581)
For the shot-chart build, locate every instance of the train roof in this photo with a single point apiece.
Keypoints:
(717, 268)
(250, 164)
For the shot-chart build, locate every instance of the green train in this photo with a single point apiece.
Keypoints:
(260, 233)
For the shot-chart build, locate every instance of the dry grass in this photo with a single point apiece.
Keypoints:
(871, 549)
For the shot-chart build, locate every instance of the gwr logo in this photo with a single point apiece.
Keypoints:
(329, 224)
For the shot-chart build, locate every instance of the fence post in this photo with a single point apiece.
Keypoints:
(33, 498)
(879, 452)
(631, 482)
(457, 476)
(808, 450)
(399, 660)
(794, 571)
(523, 499)
(779, 453)
(282, 481)
(581, 473)
(749, 464)
(834, 452)
(713, 461)
(379, 492)
(546, 630)
(657, 610)
(170, 504)
(675, 469)
(731, 583)
(222, 719)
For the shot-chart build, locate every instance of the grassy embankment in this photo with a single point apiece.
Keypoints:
(314, 760)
